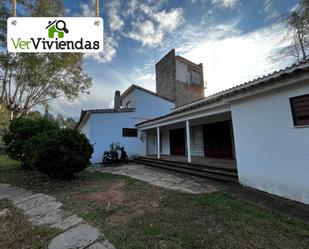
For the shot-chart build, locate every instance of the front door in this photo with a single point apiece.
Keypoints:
(217, 140)
(177, 141)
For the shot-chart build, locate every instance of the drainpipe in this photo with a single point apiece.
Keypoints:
(188, 141)
(158, 142)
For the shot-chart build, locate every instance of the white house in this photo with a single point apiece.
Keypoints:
(260, 127)
(105, 126)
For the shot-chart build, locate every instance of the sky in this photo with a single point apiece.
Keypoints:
(234, 39)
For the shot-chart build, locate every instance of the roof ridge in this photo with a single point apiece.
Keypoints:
(144, 90)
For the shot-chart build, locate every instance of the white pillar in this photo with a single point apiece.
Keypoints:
(158, 142)
(188, 140)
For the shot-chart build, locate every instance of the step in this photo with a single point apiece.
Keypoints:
(192, 167)
(190, 164)
(192, 172)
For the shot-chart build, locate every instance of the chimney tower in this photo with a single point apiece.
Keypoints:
(117, 101)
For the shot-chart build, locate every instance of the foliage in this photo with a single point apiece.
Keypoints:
(4, 120)
(297, 35)
(40, 144)
(21, 130)
(114, 147)
(66, 122)
(61, 153)
(30, 79)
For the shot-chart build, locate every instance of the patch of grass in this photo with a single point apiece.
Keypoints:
(7, 163)
(149, 217)
(16, 232)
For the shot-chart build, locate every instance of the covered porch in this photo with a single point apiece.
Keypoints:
(204, 140)
(201, 143)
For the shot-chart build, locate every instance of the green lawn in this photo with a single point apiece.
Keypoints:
(135, 215)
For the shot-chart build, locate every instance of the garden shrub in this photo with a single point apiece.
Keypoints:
(40, 144)
(21, 130)
(62, 153)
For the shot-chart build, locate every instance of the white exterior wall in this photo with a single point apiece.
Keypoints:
(106, 128)
(182, 73)
(272, 155)
(127, 98)
(149, 106)
(86, 128)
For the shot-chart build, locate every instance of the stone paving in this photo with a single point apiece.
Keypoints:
(43, 209)
(166, 179)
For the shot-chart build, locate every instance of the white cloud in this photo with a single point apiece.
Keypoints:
(132, 7)
(236, 58)
(145, 32)
(151, 28)
(169, 21)
(99, 97)
(269, 10)
(225, 3)
(115, 21)
(109, 52)
(88, 10)
(101, 94)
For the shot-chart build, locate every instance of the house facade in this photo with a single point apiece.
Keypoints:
(262, 126)
(105, 126)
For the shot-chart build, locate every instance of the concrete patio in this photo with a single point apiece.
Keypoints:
(166, 179)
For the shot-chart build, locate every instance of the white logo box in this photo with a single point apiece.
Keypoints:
(55, 34)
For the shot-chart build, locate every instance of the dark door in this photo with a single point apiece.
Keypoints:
(217, 140)
(177, 141)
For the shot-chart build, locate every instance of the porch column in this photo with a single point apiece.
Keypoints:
(188, 140)
(158, 142)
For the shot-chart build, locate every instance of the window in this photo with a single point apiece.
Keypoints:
(300, 110)
(129, 132)
(195, 77)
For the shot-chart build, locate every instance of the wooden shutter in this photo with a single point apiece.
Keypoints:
(300, 110)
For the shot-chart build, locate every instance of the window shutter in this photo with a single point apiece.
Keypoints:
(300, 110)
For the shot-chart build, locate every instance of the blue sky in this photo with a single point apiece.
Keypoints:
(232, 38)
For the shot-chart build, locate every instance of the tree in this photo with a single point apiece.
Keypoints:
(297, 35)
(30, 79)
(66, 122)
(4, 121)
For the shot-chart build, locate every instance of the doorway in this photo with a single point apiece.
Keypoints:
(218, 140)
(177, 141)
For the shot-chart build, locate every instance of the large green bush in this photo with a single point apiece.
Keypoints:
(61, 154)
(40, 144)
(20, 131)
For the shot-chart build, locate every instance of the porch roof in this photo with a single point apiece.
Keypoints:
(223, 98)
